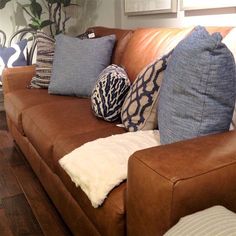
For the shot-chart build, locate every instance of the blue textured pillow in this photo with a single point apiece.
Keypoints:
(78, 63)
(198, 91)
(13, 56)
(109, 93)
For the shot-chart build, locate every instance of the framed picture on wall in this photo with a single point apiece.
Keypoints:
(140, 7)
(204, 4)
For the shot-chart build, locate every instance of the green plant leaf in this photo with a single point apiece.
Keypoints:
(34, 27)
(51, 1)
(25, 9)
(36, 8)
(36, 21)
(55, 9)
(66, 3)
(23, 5)
(46, 23)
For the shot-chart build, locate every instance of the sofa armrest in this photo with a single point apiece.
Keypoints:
(171, 181)
(17, 78)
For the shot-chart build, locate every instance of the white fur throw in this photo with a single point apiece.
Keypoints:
(98, 166)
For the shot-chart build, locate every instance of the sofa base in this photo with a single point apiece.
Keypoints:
(70, 211)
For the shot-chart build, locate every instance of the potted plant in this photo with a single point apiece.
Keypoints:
(46, 13)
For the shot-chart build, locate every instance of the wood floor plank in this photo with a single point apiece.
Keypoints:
(6, 139)
(3, 123)
(5, 229)
(8, 183)
(44, 211)
(25, 208)
(20, 217)
(11, 157)
(9, 151)
(14, 158)
(7, 145)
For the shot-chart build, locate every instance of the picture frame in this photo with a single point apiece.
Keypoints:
(204, 4)
(142, 7)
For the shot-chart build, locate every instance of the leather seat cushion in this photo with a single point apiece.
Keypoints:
(45, 123)
(18, 101)
(109, 218)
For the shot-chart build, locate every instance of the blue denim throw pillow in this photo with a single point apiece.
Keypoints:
(77, 64)
(198, 91)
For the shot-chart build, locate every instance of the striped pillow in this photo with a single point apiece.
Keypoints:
(216, 220)
(45, 53)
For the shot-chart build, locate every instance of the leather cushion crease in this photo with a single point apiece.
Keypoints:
(44, 124)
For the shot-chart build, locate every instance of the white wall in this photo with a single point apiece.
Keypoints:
(210, 17)
(110, 13)
(106, 13)
(90, 13)
(12, 18)
(6, 23)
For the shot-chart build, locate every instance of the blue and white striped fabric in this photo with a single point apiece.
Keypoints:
(216, 220)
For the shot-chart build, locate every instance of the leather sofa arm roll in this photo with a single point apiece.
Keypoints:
(17, 78)
(168, 182)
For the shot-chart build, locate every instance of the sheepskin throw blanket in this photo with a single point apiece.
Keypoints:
(98, 166)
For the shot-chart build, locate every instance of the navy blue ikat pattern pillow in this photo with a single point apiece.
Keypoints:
(13, 56)
(109, 93)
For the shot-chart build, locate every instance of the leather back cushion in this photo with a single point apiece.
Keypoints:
(122, 38)
(135, 49)
(149, 44)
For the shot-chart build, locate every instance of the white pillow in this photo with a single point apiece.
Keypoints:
(229, 41)
(213, 221)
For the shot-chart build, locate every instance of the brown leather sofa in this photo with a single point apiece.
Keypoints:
(164, 183)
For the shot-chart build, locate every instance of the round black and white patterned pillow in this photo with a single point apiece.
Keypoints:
(109, 93)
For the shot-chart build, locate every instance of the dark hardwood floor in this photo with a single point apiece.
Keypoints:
(25, 208)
